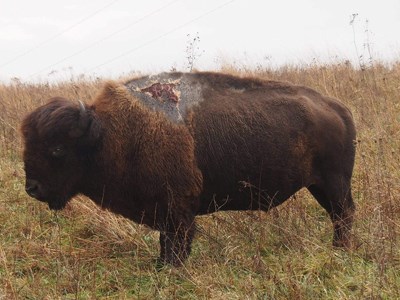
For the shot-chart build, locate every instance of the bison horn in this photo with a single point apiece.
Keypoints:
(83, 122)
(82, 108)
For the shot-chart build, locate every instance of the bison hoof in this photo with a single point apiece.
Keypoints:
(161, 263)
(342, 244)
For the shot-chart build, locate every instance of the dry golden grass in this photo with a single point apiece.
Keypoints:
(85, 253)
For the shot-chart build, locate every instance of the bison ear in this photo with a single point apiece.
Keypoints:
(87, 129)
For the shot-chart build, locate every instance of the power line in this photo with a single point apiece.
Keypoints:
(105, 38)
(57, 35)
(163, 35)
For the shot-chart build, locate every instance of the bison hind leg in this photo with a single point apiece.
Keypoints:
(335, 197)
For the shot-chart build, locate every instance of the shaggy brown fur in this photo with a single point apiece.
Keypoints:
(234, 144)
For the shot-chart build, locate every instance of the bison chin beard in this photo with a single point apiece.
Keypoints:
(58, 203)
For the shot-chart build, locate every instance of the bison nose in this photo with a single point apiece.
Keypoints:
(32, 187)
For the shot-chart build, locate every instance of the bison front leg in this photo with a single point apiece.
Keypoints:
(175, 241)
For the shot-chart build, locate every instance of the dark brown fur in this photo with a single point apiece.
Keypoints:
(248, 145)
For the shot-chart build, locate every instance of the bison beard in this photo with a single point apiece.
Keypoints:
(162, 149)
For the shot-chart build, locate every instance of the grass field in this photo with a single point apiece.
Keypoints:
(85, 253)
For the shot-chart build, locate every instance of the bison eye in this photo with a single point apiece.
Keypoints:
(58, 151)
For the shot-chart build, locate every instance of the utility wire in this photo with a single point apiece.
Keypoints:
(105, 38)
(45, 42)
(163, 35)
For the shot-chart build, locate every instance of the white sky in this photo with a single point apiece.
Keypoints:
(50, 39)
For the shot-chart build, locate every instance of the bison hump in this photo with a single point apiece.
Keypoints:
(172, 94)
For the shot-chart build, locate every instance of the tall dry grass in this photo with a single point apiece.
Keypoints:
(86, 253)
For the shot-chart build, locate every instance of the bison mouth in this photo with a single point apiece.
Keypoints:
(56, 201)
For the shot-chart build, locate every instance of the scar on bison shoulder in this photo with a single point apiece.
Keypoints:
(162, 91)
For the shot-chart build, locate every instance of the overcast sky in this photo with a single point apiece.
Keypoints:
(49, 39)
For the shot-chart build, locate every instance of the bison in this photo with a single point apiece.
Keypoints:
(161, 149)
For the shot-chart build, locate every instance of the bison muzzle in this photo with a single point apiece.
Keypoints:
(162, 149)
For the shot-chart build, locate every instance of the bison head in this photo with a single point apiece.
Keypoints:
(60, 137)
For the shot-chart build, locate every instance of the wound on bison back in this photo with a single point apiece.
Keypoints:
(162, 91)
